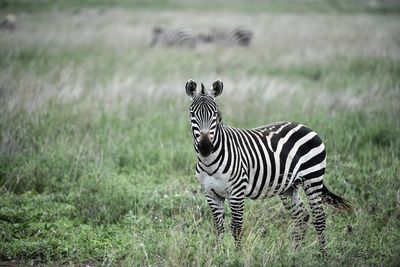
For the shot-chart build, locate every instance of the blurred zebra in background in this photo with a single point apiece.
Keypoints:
(178, 37)
(9, 22)
(237, 36)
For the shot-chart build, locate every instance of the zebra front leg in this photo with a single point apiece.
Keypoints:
(237, 205)
(217, 207)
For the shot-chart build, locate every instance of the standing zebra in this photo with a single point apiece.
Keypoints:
(272, 160)
(237, 36)
(179, 37)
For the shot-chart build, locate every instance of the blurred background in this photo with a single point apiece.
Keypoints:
(96, 156)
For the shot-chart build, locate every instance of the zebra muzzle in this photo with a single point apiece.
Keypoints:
(205, 145)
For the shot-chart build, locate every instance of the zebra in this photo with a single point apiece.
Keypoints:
(237, 36)
(277, 159)
(9, 22)
(179, 37)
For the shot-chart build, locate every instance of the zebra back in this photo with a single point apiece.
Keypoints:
(237, 36)
(178, 37)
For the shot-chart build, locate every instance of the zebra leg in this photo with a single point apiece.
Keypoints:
(291, 201)
(217, 207)
(313, 190)
(237, 206)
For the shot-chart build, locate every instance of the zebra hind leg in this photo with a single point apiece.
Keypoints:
(291, 201)
(313, 189)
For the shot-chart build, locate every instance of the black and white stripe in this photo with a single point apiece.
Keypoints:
(237, 36)
(273, 160)
(178, 37)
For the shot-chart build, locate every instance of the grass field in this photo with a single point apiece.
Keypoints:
(96, 156)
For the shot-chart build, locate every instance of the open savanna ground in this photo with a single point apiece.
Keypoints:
(96, 155)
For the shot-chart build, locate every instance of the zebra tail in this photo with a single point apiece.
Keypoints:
(339, 204)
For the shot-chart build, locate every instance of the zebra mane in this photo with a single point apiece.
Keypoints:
(203, 90)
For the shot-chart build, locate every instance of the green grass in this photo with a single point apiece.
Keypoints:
(96, 157)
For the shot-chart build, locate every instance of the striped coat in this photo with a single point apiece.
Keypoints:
(238, 36)
(178, 37)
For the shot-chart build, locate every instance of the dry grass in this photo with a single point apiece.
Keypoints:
(281, 41)
(312, 37)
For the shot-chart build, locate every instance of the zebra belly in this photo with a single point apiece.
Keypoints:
(268, 186)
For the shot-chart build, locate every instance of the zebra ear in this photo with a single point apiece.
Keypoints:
(191, 88)
(217, 88)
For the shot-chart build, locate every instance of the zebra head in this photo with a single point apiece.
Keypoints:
(157, 33)
(205, 116)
